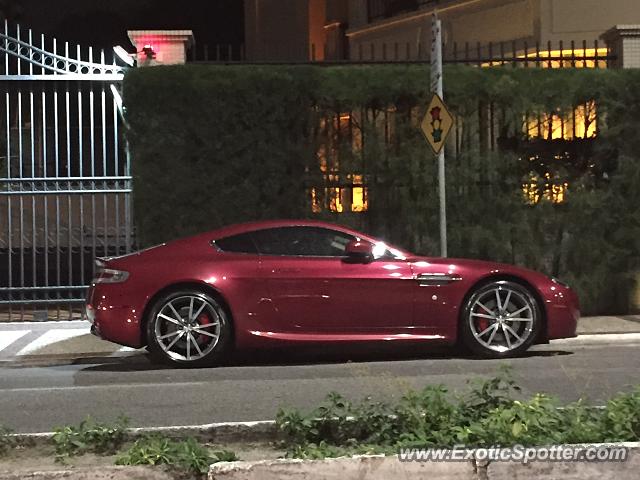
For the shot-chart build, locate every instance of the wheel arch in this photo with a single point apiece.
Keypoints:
(542, 335)
(174, 287)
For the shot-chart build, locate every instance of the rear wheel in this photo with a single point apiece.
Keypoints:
(188, 328)
(501, 319)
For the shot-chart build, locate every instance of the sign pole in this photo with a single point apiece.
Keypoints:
(436, 87)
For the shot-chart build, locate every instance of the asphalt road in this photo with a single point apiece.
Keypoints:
(35, 399)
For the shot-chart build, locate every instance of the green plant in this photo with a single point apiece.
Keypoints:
(185, 454)
(89, 437)
(620, 420)
(7, 441)
(485, 415)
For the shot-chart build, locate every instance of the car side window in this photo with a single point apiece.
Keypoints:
(242, 243)
(302, 241)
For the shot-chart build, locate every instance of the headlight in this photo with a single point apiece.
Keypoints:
(559, 282)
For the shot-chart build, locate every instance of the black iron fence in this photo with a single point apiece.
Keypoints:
(521, 53)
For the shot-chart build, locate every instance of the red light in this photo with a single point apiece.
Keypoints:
(149, 52)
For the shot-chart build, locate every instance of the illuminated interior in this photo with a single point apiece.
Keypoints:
(581, 123)
(576, 58)
(358, 195)
(338, 196)
(547, 188)
(566, 58)
(340, 199)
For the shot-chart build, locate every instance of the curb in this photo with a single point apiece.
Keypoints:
(374, 467)
(102, 473)
(257, 431)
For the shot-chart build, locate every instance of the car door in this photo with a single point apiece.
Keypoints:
(314, 290)
(440, 291)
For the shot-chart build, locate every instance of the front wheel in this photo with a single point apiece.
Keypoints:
(500, 319)
(188, 328)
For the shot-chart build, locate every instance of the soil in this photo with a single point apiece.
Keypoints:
(42, 456)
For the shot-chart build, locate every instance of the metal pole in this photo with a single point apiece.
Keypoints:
(436, 87)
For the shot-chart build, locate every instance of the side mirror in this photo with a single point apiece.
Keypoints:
(358, 251)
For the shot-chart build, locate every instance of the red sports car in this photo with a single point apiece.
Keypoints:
(284, 282)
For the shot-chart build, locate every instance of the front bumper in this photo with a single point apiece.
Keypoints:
(563, 313)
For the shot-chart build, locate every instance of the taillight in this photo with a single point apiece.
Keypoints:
(108, 275)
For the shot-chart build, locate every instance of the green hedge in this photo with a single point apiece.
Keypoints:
(214, 145)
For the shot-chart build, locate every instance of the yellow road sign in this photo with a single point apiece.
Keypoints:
(437, 124)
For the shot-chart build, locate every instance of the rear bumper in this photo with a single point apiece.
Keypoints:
(113, 316)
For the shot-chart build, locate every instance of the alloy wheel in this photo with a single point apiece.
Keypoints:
(187, 328)
(502, 318)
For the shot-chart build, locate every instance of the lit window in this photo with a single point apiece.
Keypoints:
(335, 200)
(581, 123)
(566, 58)
(339, 199)
(337, 132)
(576, 58)
(549, 188)
(359, 201)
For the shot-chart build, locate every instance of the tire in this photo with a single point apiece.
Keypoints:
(500, 319)
(189, 328)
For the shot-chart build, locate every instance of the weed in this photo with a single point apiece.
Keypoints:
(7, 441)
(89, 437)
(185, 454)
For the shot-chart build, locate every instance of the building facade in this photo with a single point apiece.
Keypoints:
(379, 30)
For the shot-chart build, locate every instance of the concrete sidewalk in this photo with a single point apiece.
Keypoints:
(597, 325)
(70, 340)
(30, 341)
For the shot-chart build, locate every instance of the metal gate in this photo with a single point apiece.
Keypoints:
(65, 184)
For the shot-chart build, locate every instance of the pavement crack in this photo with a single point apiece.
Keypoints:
(480, 468)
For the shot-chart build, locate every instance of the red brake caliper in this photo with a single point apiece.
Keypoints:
(482, 324)
(203, 319)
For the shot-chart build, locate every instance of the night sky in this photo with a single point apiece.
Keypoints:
(103, 23)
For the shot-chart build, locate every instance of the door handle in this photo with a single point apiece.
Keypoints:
(436, 279)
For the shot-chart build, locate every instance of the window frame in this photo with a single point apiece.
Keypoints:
(219, 249)
(388, 256)
(290, 255)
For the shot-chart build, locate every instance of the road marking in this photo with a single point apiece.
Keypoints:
(50, 337)
(241, 427)
(59, 324)
(10, 336)
(105, 386)
(126, 352)
(599, 338)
